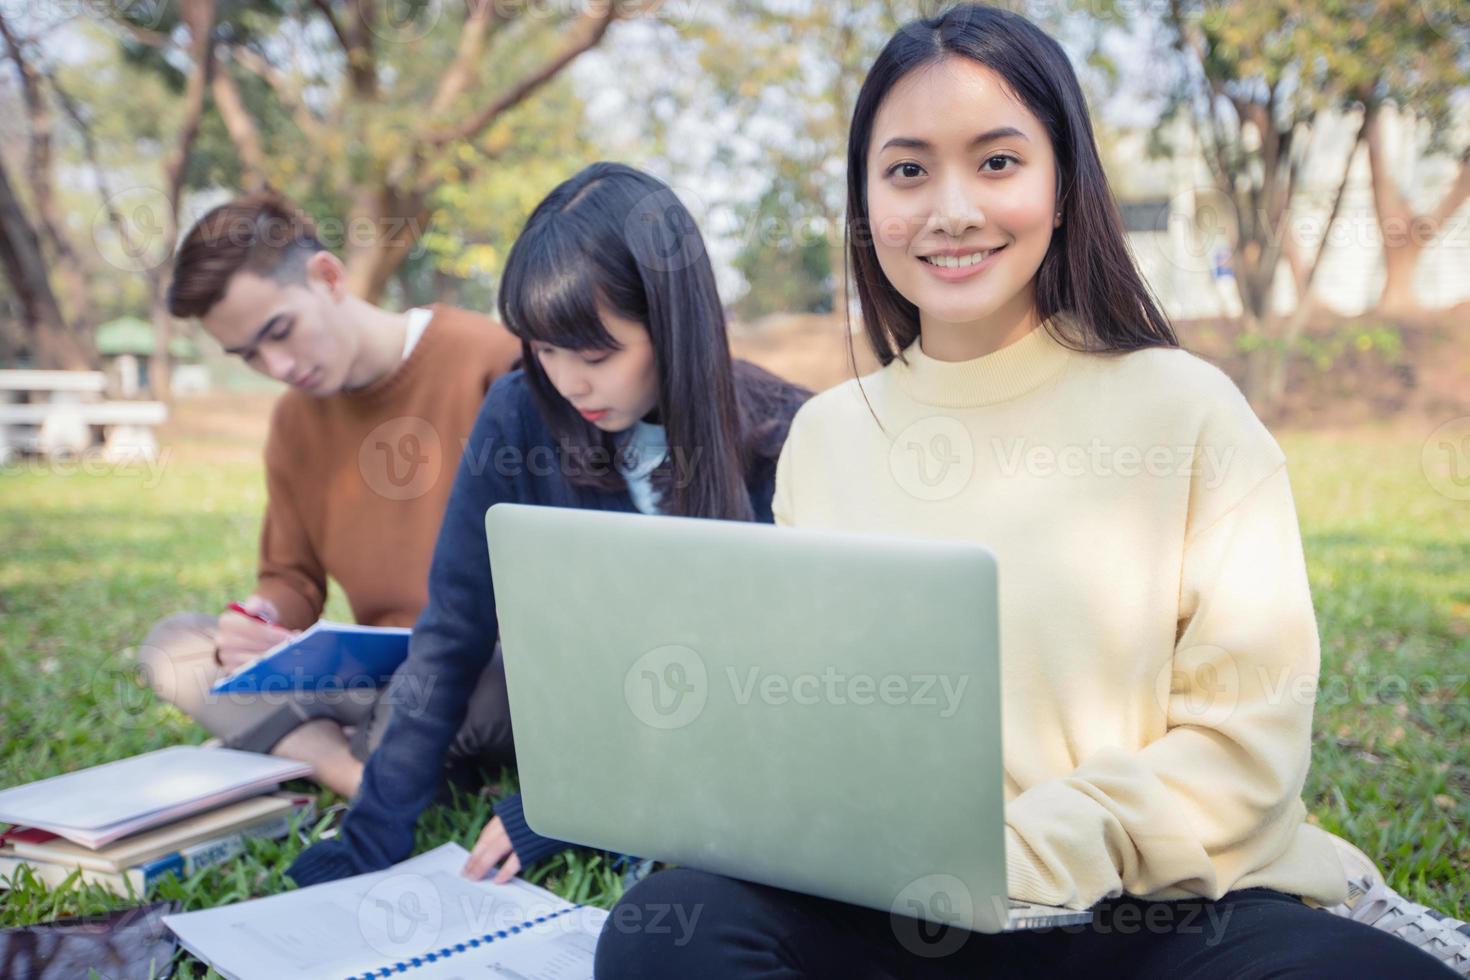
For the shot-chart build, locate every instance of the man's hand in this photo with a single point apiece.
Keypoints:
(242, 639)
(492, 847)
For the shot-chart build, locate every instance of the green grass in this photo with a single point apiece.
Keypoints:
(90, 560)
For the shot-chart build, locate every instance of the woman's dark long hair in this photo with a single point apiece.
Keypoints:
(619, 238)
(1087, 272)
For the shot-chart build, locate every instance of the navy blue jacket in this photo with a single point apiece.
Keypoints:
(510, 457)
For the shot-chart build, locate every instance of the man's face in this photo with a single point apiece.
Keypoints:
(287, 331)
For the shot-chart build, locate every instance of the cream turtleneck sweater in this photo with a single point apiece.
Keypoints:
(1159, 647)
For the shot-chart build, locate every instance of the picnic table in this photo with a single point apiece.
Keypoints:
(60, 413)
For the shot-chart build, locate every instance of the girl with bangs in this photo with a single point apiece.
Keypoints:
(1160, 648)
(628, 400)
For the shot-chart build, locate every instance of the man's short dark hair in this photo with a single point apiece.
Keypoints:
(262, 233)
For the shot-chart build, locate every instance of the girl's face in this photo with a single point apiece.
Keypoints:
(961, 196)
(612, 389)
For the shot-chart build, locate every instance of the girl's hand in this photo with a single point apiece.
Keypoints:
(242, 639)
(491, 849)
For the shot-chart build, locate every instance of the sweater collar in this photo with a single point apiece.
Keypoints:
(404, 370)
(1019, 367)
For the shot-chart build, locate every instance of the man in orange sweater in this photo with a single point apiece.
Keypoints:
(360, 458)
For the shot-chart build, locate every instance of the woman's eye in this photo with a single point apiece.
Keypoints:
(594, 360)
(909, 171)
(1002, 158)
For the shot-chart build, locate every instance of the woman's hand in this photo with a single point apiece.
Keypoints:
(491, 849)
(242, 639)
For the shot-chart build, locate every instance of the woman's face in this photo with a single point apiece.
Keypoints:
(612, 389)
(962, 195)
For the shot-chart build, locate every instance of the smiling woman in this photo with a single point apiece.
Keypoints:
(1149, 617)
(975, 194)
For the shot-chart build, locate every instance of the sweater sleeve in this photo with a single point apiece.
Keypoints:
(1217, 796)
(783, 504)
(289, 573)
(528, 845)
(452, 642)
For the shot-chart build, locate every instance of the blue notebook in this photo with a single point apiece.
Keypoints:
(327, 657)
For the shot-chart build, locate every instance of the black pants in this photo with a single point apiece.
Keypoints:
(682, 923)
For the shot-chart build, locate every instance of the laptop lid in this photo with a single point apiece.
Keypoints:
(813, 710)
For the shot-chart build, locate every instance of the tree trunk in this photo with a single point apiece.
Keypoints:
(52, 343)
(1405, 234)
(199, 15)
(383, 228)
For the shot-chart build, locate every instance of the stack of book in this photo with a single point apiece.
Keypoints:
(126, 824)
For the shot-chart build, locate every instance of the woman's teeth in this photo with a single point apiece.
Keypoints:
(960, 261)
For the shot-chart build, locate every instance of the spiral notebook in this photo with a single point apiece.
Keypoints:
(417, 919)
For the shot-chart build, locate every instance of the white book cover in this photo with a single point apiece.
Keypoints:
(96, 806)
(420, 916)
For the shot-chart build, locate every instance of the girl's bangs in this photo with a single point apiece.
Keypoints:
(554, 297)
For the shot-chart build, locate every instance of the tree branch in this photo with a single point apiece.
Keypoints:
(290, 96)
(482, 16)
(585, 34)
(244, 134)
(99, 173)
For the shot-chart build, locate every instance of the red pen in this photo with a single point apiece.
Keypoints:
(236, 607)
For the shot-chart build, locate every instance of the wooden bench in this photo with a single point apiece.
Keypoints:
(56, 412)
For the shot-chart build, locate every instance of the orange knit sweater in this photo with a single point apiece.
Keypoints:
(357, 482)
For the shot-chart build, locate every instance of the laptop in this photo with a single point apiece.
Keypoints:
(813, 710)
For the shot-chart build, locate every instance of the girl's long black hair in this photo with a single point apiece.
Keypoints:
(1087, 272)
(616, 237)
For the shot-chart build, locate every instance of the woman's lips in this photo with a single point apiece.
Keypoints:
(594, 416)
(956, 274)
